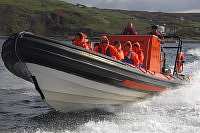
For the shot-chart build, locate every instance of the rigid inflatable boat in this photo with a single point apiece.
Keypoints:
(70, 78)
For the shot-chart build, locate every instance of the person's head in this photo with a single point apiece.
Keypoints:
(104, 40)
(154, 27)
(96, 44)
(80, 35)
(85, 36)
(128, 46)
(117, 45)
(136, 47)
(130, 25)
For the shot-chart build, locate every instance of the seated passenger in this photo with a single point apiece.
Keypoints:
(154, 31)
(81, 41)
(95, 45)
(87, 41)
(137, 49)
(127, 48)
(130, 56)
(129, 30)
(105, 48)
(120, 53)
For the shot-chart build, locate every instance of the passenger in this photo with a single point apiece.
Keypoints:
(81, 41)
(137, 49)
(129, 30)
(120, 52)
(154, 31)
(95, 45)
(105, 48)
(127, 48)
(130, 56)
(87, 41)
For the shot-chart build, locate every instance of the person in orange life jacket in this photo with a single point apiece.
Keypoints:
(95, 46)
(127, 48)
(103, 41)
(105, 48)
(130, 56)
(120, 53)
(154, 31)
(129, 30)
(87, 41)
(137, 49)
(81, 41)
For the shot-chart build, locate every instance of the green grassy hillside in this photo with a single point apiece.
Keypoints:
(56, 18)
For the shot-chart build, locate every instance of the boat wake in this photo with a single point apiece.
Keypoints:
(172, 111)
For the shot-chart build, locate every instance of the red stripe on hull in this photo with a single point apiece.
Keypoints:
(142, 86)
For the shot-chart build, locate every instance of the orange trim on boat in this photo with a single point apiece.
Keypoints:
(142, 86)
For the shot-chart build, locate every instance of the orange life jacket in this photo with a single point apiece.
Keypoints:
(126, 53)
(140, 56)
(179, 62)
(120, 55)
(108, 50)
(132, 57)
(81, 43)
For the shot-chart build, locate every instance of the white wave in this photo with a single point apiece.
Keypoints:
(195, 52)
(193, 67)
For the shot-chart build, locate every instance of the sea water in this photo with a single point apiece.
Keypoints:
(177, 111)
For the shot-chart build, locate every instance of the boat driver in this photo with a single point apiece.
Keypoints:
(154, 31)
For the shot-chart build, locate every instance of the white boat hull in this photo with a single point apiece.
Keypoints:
(67, 92)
